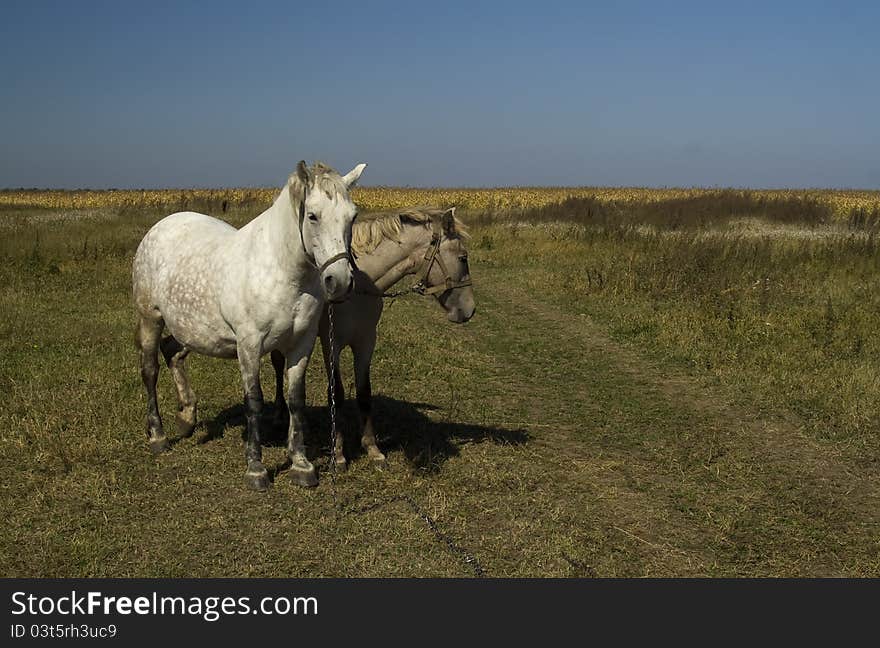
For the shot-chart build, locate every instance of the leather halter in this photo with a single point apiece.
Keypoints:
(432, 256)
(336, 257)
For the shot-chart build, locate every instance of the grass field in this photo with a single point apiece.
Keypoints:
(677, 385)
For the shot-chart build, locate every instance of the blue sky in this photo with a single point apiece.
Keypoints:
(765, 94)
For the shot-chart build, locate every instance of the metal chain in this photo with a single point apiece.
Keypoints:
(333, 432)
(390, 295)
(399, 293)
(466, 557)
(333, 371)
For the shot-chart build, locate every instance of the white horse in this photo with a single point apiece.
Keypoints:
(224, 292)
(426, 242)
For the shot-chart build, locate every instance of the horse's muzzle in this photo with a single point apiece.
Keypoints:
(459, 316)
(337, 281)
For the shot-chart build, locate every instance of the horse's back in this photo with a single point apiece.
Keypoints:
(175, 242)
(185, 228)
(176, 274)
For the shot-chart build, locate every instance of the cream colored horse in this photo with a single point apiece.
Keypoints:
(242, 293)
(427, 242)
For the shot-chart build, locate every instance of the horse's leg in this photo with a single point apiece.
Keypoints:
(175, 357)
(302, 471)
(336, 396)
(363, 356)
(149, 330)
(256, 477)
(280, 402)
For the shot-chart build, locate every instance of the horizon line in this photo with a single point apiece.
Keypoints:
(450, 188)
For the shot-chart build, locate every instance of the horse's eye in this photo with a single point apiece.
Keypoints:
(463, 258)
(313, 218)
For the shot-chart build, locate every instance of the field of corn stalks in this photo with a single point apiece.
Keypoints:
(842, 203)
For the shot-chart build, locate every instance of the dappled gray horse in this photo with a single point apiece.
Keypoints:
(428, 243)
(224, 292)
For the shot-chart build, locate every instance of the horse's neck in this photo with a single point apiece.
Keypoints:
(391, 261)
(277, 229)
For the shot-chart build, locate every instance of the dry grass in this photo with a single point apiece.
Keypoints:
(619, 406)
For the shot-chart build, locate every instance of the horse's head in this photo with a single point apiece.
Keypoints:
(449, 268)
(325, 211)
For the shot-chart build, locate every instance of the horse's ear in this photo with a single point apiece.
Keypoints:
(352, 176)
(449, 221)
(303, 173)
(299, 182)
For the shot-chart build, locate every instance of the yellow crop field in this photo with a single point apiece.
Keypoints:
(843, 202)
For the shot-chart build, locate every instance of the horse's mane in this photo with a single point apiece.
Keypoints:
(328, 179)
(370, 230)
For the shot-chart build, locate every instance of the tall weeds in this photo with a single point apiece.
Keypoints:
(773, 297)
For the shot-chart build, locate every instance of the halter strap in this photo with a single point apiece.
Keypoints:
(432, 256)
(332, 260)
(302, 217)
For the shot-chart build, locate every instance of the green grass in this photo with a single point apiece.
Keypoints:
(636, 395)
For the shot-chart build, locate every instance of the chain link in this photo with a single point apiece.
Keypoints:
(333, 370)
(466, 557)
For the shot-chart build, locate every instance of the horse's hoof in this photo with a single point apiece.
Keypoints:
(339, 466)
(303, 476)
(158, 446)
(379, 464)
(257, 480)
(185, 428)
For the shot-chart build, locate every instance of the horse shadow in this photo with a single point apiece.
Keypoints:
(426, 443)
